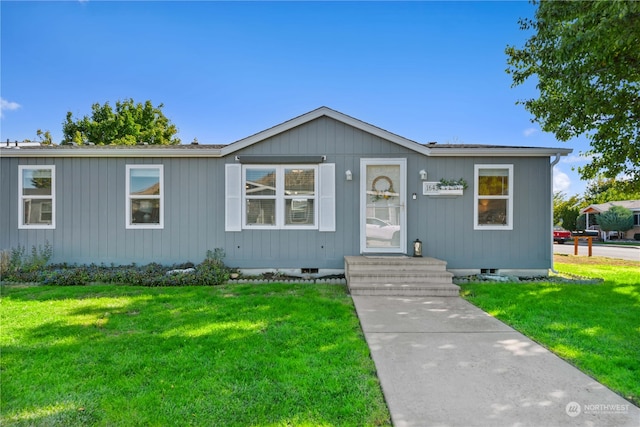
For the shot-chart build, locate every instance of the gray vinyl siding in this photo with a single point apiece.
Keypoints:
(90, 212)
(90, 209)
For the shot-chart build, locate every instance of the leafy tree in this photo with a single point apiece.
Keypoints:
(617, 218)
(45, 137)
(129, 124)
(565, 212)
(603, 190)
(586, 56)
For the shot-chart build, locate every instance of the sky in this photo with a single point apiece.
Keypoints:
(428, 71)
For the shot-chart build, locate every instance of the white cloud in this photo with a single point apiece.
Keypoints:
(7, 106)
(561, 181)
(529, 131)
(576, 158)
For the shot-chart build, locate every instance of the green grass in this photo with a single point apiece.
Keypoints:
(620, 243)
(594, 327)
(238, 355)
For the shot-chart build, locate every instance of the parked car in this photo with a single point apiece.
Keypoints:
(560, 235)
(378, 229)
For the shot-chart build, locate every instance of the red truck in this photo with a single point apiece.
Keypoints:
(561, 235)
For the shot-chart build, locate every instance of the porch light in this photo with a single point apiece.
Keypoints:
(423, 175)
(417, 248)
(348, 175)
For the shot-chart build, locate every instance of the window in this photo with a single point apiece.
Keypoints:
(36, 190)
(144, 204)
(636, 219)
(280, 196)
(493, 203)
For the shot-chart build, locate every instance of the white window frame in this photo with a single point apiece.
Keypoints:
(508, 197)
(280, 198)
(22, 198)
(128, 197)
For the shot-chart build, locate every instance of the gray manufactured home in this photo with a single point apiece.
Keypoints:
(299, 196)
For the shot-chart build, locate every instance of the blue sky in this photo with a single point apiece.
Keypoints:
(429, 71)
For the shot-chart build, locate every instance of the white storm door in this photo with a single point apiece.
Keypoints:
(382, 206)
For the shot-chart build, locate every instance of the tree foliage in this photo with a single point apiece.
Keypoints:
(565, 211)
(45, 137)
(617, 218)
(586, 57)
(129, 124)
(603, 190)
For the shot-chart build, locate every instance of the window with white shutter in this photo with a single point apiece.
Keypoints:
(276, 196)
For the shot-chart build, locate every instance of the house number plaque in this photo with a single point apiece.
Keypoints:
(430, 188)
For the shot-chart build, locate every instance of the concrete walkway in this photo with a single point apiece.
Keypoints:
(444, 362)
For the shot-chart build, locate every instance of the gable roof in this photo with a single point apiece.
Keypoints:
(633, 205)
(324, 112)
(205, 150)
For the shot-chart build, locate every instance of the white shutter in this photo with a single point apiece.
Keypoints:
(233, 197)
(327, 197)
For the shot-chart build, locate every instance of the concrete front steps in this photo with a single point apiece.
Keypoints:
(399, 276)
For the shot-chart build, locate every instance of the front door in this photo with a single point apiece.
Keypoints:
(382, 206)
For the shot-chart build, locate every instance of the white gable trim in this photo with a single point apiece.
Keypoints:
(317, 113)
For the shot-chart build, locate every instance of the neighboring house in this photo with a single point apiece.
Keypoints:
(299, 197)
(632, 205)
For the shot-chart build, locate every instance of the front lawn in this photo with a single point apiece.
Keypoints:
(595, 327)
(236, 355)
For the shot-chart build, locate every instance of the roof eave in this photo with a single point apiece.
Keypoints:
(590, 210)
(499, 152)
(115, 152)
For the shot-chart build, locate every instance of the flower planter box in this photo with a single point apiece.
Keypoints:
(459, 192)
(437, 189)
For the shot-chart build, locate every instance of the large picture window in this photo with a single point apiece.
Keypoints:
(493, 208)
(145, 196)
(280, 196)
(36, 190)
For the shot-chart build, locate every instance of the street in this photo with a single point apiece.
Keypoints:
(623, 252)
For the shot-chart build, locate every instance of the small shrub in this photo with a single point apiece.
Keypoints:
(5, 259)
(210, 272)
(66, 277)
(216, 256)
(17, 258)
(39, 257)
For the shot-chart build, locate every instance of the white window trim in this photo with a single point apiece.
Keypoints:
(280, 198)
(127, 219)
(21, 197)
(509, 197)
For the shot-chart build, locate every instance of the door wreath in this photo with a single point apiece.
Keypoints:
(382, 188)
